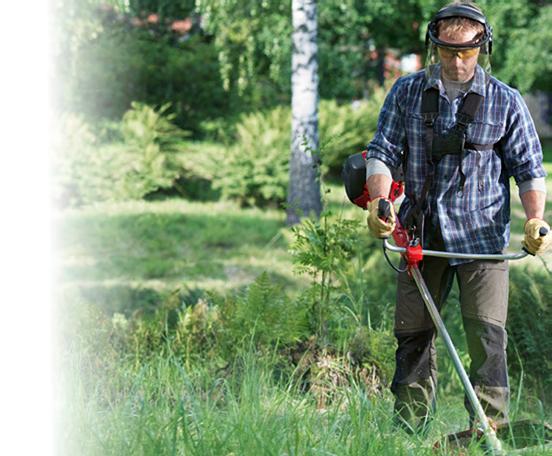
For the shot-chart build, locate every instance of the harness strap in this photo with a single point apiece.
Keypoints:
(430, 111)
(469, 108)
(471, 103)
(473, 146)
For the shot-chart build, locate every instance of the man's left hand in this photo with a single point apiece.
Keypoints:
(533, 242)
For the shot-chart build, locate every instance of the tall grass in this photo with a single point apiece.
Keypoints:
(162, 408)
(132, 385)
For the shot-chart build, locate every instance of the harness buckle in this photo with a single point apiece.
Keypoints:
(429, 118)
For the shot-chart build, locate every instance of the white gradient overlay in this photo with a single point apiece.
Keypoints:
(26, 377)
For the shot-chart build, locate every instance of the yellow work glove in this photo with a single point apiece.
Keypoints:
(378, 227)
(533, 242)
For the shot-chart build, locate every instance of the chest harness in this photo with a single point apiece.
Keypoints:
(436, 147)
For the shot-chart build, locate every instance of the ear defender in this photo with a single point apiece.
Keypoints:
(468, 12)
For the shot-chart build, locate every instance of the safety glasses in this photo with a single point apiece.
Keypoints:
(449, 53)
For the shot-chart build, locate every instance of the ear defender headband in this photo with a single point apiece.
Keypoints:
(468, 12)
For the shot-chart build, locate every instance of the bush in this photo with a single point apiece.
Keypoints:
(73, 145)
(122, 64)
(254, 170)
(255, 167)
(262, 317)
(194, 325)
(147, 159)
(153, 143)
(347, 129)
(199, 162)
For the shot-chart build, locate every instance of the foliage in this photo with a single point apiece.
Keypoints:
(153, 143)
(146, 160)
(263, 317)
(528, 60)
(370, 347)
(165, 8)
(240, 59)
(323, 248)
(256, 164)
(353, 36)
(253, 41)
(367, 292)
(119, 64)
(530, 326)
(347, 129)
(254, 170)
(199, 161)
(76, 23)
(73, 145)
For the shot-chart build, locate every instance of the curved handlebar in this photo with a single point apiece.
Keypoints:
(466, 256)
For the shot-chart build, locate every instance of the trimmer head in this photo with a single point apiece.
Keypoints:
(516, 436)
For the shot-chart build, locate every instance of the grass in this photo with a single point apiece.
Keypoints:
(130, 257)
(169, 410)
(518, 215)
(166, 409)
(121, 252)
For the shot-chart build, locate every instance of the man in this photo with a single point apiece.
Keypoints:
(459, 135)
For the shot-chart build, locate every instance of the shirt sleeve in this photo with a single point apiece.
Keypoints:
(538, 184)
(375, 166)
(521, 147)
(389, 138)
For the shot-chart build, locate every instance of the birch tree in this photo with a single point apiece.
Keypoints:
(304, 186)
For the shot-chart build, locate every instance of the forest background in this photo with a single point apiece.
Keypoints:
(190, 317)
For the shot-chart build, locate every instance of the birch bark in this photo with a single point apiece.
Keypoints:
(304, 186)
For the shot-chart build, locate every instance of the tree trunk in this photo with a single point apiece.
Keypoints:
(304, 186)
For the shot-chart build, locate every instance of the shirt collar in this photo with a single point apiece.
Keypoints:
(434, 80)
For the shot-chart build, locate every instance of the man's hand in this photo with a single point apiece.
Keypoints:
(533, 242)
(378, 227)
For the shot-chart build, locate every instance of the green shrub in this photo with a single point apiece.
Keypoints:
(324, 249)
(199, 162)
(254, 169)
(153, 143)
(147, 159)
(262, 317)
(74, 144)
(347, 129)
(121, 64)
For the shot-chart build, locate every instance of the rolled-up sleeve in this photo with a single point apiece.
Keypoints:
(521, 147)
(389, 138)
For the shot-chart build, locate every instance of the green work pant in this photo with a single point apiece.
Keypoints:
(483, 289)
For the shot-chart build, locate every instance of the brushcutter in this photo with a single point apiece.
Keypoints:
(411, 249)
(520, 434)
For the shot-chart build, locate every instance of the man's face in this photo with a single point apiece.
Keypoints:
(453, 66)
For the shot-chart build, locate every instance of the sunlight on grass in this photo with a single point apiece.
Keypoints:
(128, 392)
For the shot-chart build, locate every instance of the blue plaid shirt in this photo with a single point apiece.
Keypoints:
(476, 219)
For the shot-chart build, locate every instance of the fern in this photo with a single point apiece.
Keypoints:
(146, 158)
(323, 248)
(263, 316)
(257, 162)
